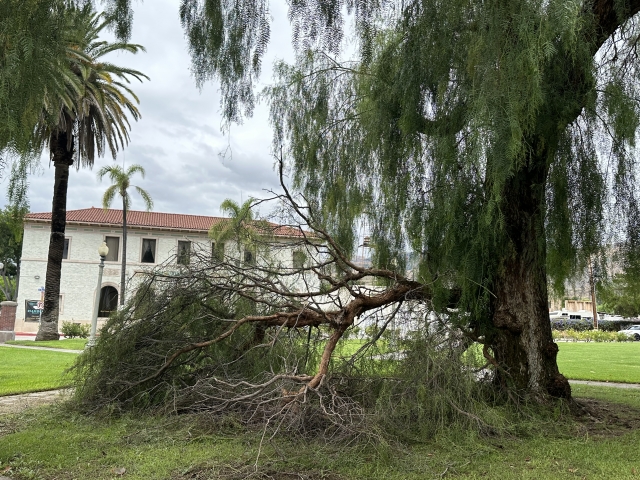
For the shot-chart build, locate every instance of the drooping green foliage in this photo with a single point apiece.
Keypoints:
(457, 97)
(494, 139)
(440, 108)
(228, 39)
(619, 293)
(32, 53)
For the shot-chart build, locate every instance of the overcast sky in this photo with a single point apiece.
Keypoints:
(178, 139)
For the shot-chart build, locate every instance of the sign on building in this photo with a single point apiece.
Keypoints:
(32, 312)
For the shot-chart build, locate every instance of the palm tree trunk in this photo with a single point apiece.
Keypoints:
(62, 153)
(124, 250)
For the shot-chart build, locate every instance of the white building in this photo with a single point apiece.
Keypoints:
(152, 239)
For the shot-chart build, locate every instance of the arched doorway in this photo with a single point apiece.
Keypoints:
(108, 301)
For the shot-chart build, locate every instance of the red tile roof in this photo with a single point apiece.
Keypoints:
(172, 221)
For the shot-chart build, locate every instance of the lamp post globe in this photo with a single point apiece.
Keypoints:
(103, 250)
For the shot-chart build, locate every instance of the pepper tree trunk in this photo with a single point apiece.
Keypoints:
(521, 340)
(62, 155)
(124, 250)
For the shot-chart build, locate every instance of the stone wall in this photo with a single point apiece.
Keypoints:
(7, 321)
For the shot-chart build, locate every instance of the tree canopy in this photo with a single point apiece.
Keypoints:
(494, 139)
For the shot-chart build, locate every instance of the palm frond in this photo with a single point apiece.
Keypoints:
(109, 195)
(146, 197)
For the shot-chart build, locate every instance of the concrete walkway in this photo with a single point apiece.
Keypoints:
(41, 348)
(605, 384)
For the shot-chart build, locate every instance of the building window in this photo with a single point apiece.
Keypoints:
(217, 251)
(65, 249)
(249, 257)
(299, 258)
(108, 301)
(184, 252)
(114, 248)
(148, 250)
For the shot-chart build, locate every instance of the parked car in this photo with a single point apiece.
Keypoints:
(632, 331)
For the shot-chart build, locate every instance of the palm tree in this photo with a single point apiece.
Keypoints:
(236, 228)
(78, 125)
(121, 181)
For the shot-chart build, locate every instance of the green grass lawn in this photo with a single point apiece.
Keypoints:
(68, 343)
(51, 443)
(605, 362)
(26, 370)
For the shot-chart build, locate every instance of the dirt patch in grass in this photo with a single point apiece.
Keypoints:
(263, 472)
(603, 418)
(17, 403)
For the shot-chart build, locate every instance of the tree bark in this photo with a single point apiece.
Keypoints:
(62, 154)
(124, 250)
(521, 340)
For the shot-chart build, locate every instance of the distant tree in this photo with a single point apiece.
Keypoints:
(241, 228)
(121, 181)
(11, 231)
(78, 126)
(620, 295)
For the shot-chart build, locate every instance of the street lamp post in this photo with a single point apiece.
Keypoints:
(103, 251)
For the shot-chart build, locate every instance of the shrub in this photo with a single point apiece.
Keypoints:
(614, 325)
(75, 330)
(571, 324)
(589, 336)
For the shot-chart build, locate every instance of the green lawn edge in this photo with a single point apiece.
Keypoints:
(33, 370)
